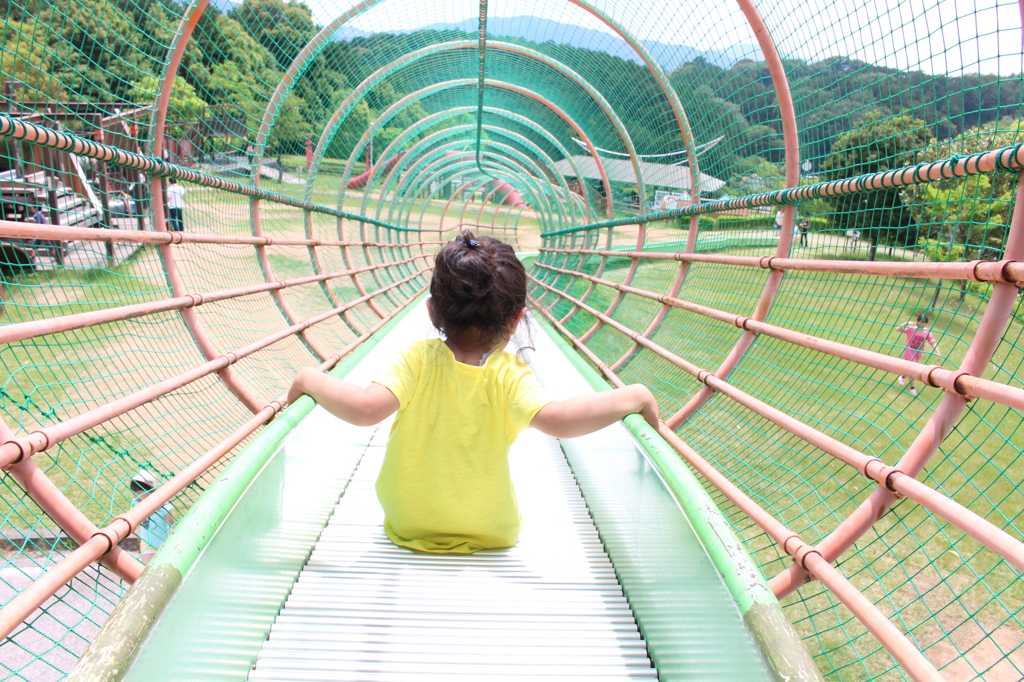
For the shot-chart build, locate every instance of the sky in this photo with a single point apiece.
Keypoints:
(936, 36)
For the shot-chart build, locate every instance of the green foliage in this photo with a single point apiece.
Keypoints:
(938, 252)
(291, 129)
(75, 52)
(234, 62)
(974, 211)
(345, 140)
(185, 106)
(830, 96)
(747, 222)
(983, 289)
(78, 53)
(876, 145)
(817, 224)
(222, 39)
(755, 174)
(956, 215)
(382, 97)
(282, 28)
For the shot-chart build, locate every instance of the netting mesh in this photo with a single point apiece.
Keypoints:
(541, 118)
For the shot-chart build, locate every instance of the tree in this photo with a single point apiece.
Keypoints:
(961, 212)
(184, 109)
(283, 28)
(971, 212)
(79, 51)
(349, 133)
(877, 145)
(955, 220)
(290, 130)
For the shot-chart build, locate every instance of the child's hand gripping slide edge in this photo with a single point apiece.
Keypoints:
(345, 400)
(588, 413)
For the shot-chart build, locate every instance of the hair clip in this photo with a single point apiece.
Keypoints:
(472, 242)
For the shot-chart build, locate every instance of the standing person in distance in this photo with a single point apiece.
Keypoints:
(51, 245)
(805, 225)
(38, 217)
(176, 206)
(445, 484)
(917, 334)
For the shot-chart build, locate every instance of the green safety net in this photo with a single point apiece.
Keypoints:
(536, 121)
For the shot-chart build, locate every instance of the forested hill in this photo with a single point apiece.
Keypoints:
(236, 59)
(831, 96)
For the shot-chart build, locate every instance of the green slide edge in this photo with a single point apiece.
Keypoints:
(784, 653)
(110, 654)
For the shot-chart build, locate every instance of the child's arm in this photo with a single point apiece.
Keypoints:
(346, 401)
(588, 413)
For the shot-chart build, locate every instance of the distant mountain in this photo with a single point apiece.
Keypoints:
(540, 30)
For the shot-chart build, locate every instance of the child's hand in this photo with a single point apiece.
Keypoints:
(649, 405)
(588, 413)
(299, 384)
(354, 404)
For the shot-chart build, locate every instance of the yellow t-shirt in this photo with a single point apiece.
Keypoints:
(445, 484)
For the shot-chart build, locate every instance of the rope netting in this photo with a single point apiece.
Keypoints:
(812, 178)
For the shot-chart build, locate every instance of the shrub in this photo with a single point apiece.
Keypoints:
(706, 222)
(983, 289)
(938, 252)
(749, 222)
(817, 224)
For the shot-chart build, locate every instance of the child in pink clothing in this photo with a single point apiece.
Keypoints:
(917, 334)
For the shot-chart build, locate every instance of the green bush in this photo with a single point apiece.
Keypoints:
(817, 224)
(938, 252)
(983, 289)
(706, 222)
(751, 222)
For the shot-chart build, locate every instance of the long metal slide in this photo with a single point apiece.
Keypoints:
(294, 579)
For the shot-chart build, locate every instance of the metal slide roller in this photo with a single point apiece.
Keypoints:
(548, 608)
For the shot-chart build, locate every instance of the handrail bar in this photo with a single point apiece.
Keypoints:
(1004, 159)
(985, 532)
(894, 641)
(975, 271)
(103, 540)
(20, 331)
(931, 375)
(16, 449)
(14, 230)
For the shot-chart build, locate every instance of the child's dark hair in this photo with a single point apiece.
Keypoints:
(922, 318)
(478, 287)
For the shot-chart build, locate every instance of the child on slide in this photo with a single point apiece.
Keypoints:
(917, 334)
(445, 484)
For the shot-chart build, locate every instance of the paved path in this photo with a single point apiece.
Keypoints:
(48, 647)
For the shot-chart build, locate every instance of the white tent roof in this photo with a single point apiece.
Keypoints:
(655, 174)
